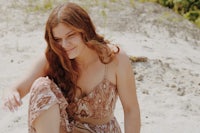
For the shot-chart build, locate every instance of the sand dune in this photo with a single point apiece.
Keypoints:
(168, 84)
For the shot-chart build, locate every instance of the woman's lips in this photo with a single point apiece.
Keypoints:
(70, 49)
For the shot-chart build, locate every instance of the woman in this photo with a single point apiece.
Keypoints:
(74, 87)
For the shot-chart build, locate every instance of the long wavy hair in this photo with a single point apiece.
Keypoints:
(62, 70)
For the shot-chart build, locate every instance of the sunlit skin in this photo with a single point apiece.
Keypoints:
(91, 72)
(69, 39)
(120, 73)
(73, 43)
(87, 58)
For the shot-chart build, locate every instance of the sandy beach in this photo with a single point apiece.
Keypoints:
(168, 83)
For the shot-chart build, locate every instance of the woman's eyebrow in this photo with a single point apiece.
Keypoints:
(69, 33)
(65, 34)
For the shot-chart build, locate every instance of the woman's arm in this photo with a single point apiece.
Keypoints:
(127, 93)
(38, 70)
(18, 90)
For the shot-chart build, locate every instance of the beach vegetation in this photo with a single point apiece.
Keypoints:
(189, 9)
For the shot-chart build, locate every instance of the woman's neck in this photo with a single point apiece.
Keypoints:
(86, 58)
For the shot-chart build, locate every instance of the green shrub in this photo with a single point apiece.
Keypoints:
(192, 15)
(190, 9)
(197, 22)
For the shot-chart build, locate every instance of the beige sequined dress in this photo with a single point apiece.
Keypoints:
(94, 111)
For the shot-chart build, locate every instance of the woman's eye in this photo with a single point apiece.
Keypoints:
(71, 35)
(57, 40)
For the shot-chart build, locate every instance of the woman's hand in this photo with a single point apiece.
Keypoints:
(22, 87)
(12, 102)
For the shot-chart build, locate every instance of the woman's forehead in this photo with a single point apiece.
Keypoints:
(61, 29)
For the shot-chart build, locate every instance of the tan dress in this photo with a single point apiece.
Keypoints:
(94, 113)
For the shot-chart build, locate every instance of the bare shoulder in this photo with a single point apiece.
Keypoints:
(122, 58)
(41, 64)
(121, 55)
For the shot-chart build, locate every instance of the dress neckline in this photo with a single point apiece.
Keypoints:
(109, 83)
(103, 81)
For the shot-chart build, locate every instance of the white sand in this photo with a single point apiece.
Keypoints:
(168, 84)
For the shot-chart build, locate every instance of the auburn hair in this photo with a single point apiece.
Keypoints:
(62, 70)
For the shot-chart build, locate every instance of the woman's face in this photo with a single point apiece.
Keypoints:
(69, 39)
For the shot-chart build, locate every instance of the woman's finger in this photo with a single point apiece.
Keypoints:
(7, 105)
(17, 99)
(13, 103)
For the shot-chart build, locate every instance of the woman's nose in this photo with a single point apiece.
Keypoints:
(64, 42)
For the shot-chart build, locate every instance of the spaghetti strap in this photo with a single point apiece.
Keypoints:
(105, 71)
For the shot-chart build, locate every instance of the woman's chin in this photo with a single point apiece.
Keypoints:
(72, 56)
